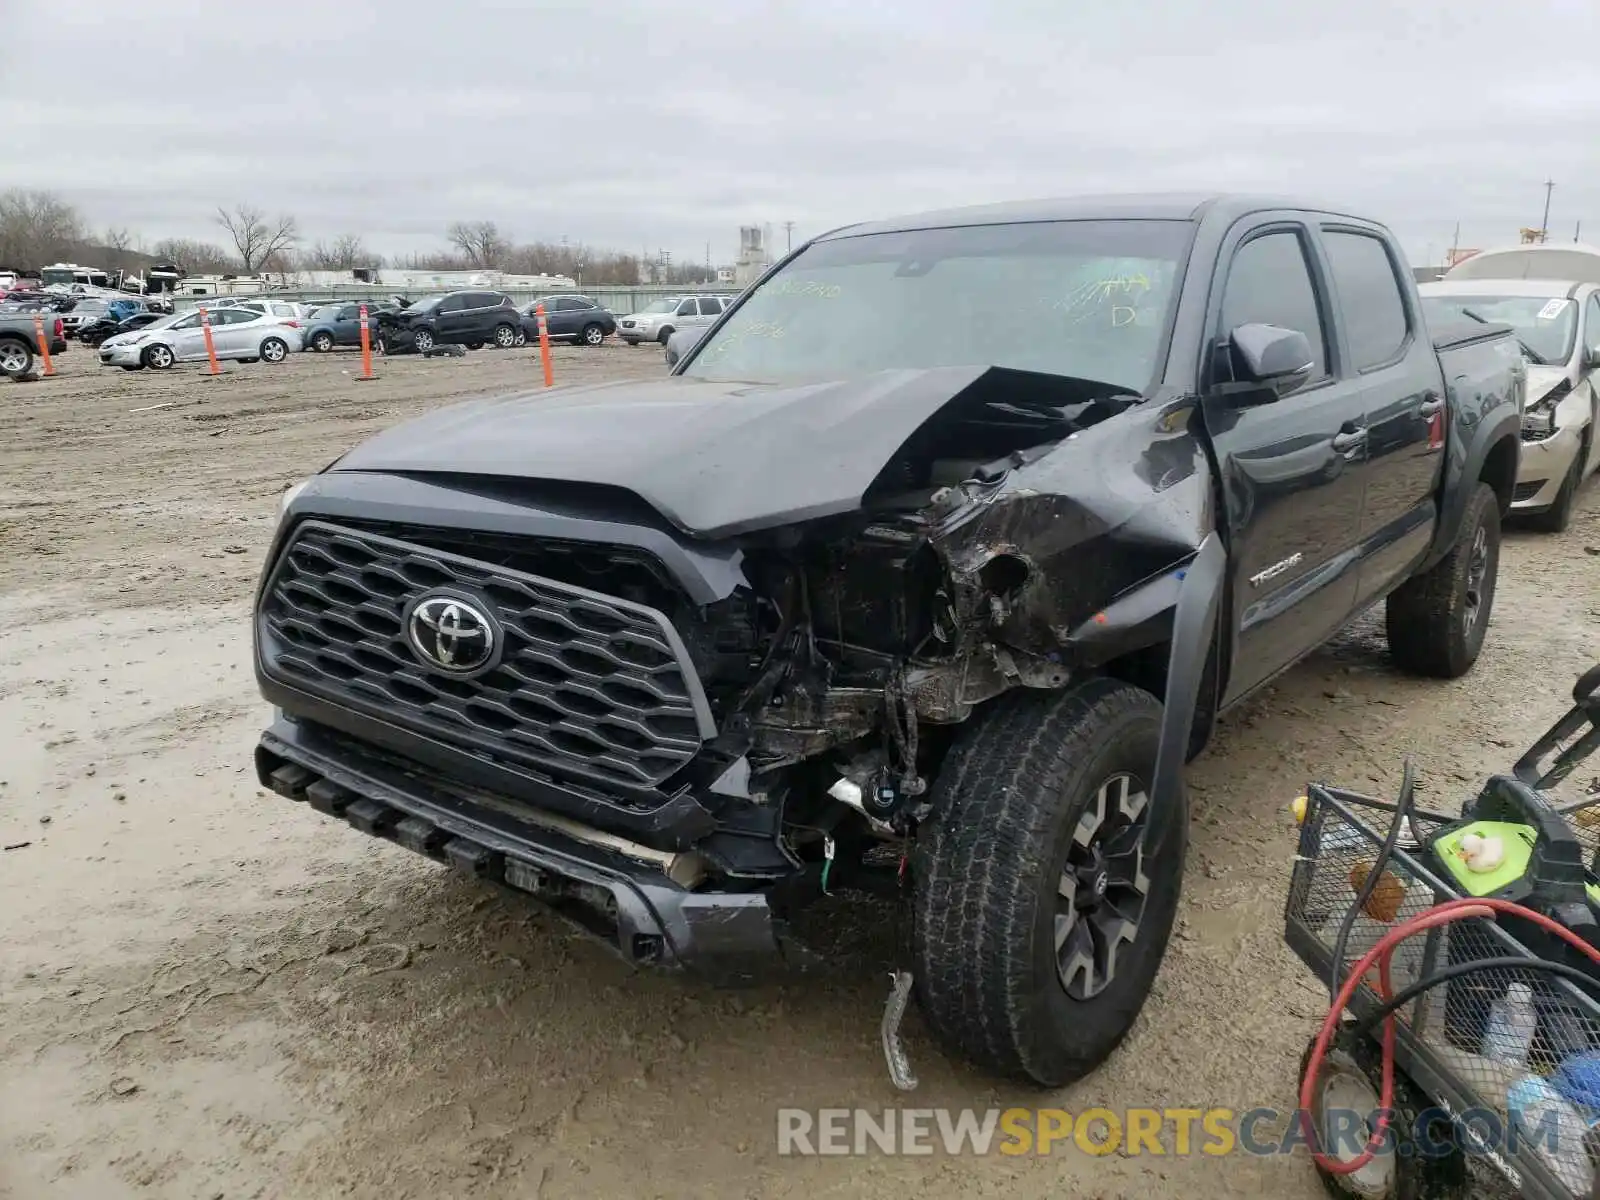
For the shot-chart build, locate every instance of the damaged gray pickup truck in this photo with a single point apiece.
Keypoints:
(924, 572)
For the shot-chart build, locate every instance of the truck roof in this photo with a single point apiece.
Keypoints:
(1147, 206)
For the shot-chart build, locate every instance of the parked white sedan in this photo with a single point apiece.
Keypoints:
(241, 334)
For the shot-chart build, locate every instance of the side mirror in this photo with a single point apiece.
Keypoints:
(1591, 358)
(1274, 359)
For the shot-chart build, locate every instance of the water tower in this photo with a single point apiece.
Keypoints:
(753, 258)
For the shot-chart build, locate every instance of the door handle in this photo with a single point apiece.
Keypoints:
(1431, 404)
(1350, 440)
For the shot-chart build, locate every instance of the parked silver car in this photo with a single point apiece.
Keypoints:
(1558, 324)
(237, 333)
(659, 321)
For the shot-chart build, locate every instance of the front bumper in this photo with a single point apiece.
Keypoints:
(121, 356)
(728, 938)
(1544, 465)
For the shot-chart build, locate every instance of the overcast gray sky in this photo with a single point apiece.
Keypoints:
(670, 123)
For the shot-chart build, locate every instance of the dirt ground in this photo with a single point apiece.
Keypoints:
(209, 992)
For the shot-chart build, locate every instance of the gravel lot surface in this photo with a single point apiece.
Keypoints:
(209, 992)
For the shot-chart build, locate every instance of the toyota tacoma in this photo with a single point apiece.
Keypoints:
(924, 572)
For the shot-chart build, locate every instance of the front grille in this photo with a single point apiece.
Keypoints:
(625, 572)
(589, 686)
(1526, 491)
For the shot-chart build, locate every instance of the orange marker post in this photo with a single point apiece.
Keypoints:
(366, 346)
(44, 344)
(211, 346)
(544, 344)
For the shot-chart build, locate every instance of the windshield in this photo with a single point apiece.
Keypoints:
(1088, 299)
(1547, 326)
(427, 305)
(661, 306)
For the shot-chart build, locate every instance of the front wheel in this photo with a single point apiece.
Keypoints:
(631, 341)
(1047, 882)
(505, 336)
(274, 350)
(133, 367)
(1436, 621)
(159, 357)
(665, 335)
(16, 357)
(423, 340)
(1558, 516)
(593, 335)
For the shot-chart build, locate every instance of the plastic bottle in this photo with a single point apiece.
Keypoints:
(1553, 1130)
(1508, 1033)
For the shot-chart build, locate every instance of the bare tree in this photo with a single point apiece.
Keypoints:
(481, 242)
(254, 237)
(346, 252)
(200, 258)
(37, 228)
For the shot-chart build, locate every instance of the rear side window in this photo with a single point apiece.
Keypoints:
(1591, 333)
(1369, 297)
(710, 307)
(567, 304)
(1269, 283)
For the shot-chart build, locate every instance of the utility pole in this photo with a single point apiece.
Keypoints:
(1544, 225)
(788, 236)
(1576, 230)
(1455, 245)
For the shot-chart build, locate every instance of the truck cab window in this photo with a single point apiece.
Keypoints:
(1269, 283)
(1369, 298)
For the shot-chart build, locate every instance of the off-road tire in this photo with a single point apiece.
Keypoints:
(18, 357)
(1422, 1171)
(1430, 629)
(986, 871)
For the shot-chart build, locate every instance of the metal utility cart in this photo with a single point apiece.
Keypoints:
(1495, 1009)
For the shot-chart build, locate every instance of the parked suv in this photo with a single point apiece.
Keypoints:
(659, 321)
(340, 325)
(472, 319)
(575, 319)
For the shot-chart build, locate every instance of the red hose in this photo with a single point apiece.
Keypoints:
(1440, 914)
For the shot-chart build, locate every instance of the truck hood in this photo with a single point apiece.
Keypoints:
(714, 458)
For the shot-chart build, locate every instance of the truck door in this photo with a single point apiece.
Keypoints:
(1389, 358)
(1290, 467)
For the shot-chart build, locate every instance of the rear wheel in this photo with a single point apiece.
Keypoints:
(1046, 887)
(1424, 1161)
(274, 350)
(16, 357)
(1436, 621)
(593, 335)
(322, 341)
